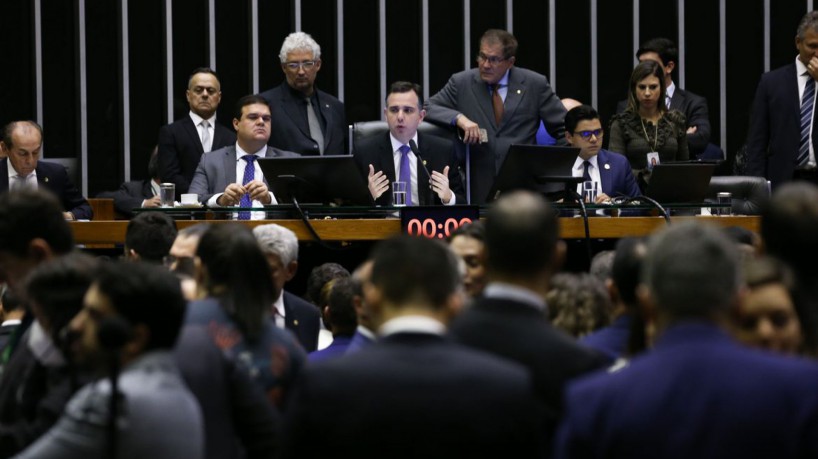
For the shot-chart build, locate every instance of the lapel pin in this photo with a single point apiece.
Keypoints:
(46, 179)
(607, 166)
(295, 322)
(424, 162)
(519, 92)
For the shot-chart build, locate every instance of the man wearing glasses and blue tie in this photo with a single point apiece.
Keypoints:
(611, 171)
(307, 120)
(494, 106)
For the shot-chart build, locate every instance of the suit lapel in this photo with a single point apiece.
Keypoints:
(605, 172)
(483, 98)
(229, 164)
(677, 101)
(386, 159)
(423, 180)
(329, 118)
(193, 133)
(515, 93)
(290, 105)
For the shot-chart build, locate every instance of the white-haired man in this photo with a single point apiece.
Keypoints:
(307, 120)
(280, 246)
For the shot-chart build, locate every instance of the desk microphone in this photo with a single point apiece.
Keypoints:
(414, 147)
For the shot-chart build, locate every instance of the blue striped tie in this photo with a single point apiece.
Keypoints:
(249, 175)
(405, 173)
(807, 106)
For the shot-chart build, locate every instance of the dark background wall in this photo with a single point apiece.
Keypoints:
(96, 73)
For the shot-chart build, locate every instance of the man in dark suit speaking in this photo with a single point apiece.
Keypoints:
(182, 143)
(21, 143)
(496, 105)
(308, 121)
(433, 177)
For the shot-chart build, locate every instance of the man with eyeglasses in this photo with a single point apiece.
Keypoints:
(230, 176)
(494, 106)
(611, 170)
(183, 142)
(307, 120)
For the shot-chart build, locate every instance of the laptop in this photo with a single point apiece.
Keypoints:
(680, 182)
(543, 168)
(320, 180)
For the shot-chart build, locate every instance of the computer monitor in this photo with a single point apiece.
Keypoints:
(682, 182)
(321, 180)
(543, 168)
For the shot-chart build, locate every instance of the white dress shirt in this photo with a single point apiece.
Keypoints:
(259, 175)
(413, 169)
(15, 178)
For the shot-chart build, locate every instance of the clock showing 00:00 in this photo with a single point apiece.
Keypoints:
(431, 228)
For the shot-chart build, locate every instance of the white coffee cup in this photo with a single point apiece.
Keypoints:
(190, 198)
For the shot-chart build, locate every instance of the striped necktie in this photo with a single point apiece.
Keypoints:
(807, 107)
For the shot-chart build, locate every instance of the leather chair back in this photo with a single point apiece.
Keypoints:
(749, 193)
(366, 129)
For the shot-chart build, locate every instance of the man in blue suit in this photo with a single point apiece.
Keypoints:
(611, 170)
(698, 393)
(21, 143)
(776, 146)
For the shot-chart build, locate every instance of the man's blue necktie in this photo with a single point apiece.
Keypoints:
(807, 106)
(406, 172)
(249, 175)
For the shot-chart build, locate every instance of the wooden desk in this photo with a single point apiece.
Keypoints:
(113, 232)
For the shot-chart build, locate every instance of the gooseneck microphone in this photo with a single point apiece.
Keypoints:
(414, 147)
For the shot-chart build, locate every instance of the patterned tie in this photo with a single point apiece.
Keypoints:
(205, 136)
(807, 106)
(406, 172)
(497, 103)
(249, 175)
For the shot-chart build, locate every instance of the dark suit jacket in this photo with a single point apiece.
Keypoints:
(616, 175)
(238, 418)
(414, 395)
(775, 126)
(303, 319)
(529, 100)
(520, 332)
(436, 153)
(696, 394)
(217, 169)
(54, 178)
(696, 113)
(180, 149)
(129, 196)
(290, 128)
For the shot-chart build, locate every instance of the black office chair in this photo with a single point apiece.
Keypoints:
(749, 193)
(366, 129)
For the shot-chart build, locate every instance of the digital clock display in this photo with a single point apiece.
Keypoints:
(436, 222)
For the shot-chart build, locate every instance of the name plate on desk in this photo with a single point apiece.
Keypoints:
(437, 222)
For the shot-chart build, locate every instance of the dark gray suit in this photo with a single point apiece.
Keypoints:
(529, 100)
(291, 131)
(217, 169)
(180, 147)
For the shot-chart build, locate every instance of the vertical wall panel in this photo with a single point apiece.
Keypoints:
(574, 50)
(17, 97)
(658, 19)
(744, 64)
(702, 58)
(403, 42)
(275, 23)
(485, 14)
(147, 80)
(190, 46)
(445, 42)
(104, 110)
(362, 85)
(616, 56)
(60, 80)
(233, 54)
(530, 22)
(784, 19)
(323, 30)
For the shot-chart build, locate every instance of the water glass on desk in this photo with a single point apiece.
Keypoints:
(167, 194)
(590, 191)
(399, 194)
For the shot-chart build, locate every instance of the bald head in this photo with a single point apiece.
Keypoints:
(521, 235)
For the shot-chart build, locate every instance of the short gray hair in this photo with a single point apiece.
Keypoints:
(298, 41)
(692, 270)
(277, 240)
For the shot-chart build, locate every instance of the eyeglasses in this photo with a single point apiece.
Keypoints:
(307, 65)
(492, 60)
(587, 134)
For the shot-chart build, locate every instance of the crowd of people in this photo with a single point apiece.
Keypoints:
(695, 341)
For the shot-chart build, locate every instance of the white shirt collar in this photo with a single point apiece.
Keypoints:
(396, 143)
(412, 324)
(670, 89)
(800, 68)
(580, 166)
(366, 332)
(261, 153)
(13, 174)
(198, 119)
(514, 292)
